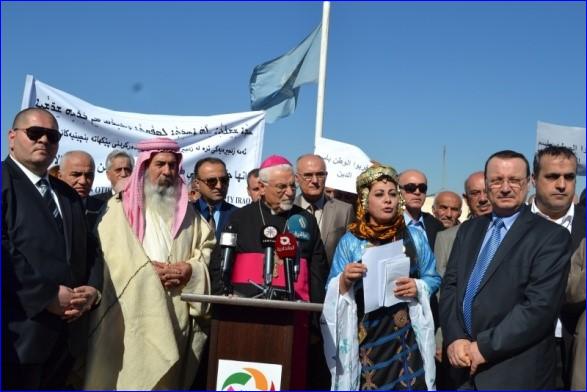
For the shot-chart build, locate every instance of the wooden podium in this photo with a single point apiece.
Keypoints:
(253, 330)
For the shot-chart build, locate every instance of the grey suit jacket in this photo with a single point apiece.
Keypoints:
(443, 246)
(336, 216)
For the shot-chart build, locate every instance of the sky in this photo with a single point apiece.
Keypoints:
(404, 80)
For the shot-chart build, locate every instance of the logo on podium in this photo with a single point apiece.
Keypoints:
(247, 376)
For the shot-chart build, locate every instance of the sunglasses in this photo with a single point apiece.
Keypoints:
(34, 133)
(212, 182)
(411, 187)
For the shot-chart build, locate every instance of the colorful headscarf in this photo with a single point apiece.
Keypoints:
(361, 227)
(133, 193)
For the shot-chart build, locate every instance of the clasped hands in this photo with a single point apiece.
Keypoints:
(404, 286)
(70, 304)
(173, 275)
(463, 353)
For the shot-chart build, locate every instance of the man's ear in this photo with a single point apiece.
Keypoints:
(261, 188)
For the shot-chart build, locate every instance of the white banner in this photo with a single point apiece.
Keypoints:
(560, 135)
(344, 163)
(235, 138)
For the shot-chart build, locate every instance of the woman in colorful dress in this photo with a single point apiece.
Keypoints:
(390, 347)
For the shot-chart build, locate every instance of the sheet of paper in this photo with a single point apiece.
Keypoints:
(374, 281)
(393, 269)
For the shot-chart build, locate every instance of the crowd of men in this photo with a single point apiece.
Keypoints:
(91, 285)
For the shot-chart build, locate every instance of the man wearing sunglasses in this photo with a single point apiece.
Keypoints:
(413, 186)
(212, 183)
(51, 275)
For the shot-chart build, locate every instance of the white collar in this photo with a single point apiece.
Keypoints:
(34, 178)
(565, 221)
(319, 204)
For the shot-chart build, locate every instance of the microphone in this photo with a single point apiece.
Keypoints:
(268, 234)
(298, 226)
(286, 247)
(227, 245)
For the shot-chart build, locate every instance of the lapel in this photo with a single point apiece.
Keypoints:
(66, 216)
(30, 192)
(328, 214)
(518, 230)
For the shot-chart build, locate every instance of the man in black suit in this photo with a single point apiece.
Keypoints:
(504, 286)
(212, 180)
(77, 169)
(413, 187)
(50, 276)
(119, 166)
(554, 177)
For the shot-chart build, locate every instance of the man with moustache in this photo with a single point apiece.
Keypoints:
(212, 183)
(155, 245)
(77, 169)
(476, 198)
(276, 208)
(333, 216)
(119, 166)
(447, 208)
(504, 286)
(554, 177)
(51, 272)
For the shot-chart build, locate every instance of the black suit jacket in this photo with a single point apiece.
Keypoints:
(104, 196)
(226, 210)
(94, 207)
(515, 309)
(36, 259)
(433, 226)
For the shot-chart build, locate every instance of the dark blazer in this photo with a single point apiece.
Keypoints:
(515, 309)
(433, 226)
(36, 259)
(94, 207)
(104, 196)
(226, 210)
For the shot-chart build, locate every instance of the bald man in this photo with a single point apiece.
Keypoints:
(447, 208)
(51, 275)
(77, 169)
(413, 185)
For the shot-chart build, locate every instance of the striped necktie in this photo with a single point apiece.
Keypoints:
(211, 220)
(48, 197)
(483, 261)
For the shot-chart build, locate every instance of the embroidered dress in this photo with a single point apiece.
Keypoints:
(389, 354)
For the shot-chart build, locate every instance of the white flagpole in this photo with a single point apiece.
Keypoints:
(322, 71)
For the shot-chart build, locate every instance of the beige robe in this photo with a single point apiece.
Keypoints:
(576, 293)
(142, 336)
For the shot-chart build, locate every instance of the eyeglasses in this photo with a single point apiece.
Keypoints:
(411, 187)
(514, 182)
(310, 176)
(34, 133)
(281, 188)
(212, 182)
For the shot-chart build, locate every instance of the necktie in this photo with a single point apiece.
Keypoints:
(46, 193)
(485, 257)
(211, 220)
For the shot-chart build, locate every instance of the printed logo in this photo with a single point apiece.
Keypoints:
(249, 379)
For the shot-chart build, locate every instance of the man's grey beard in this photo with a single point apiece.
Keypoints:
(286, 205)
(161, 199)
